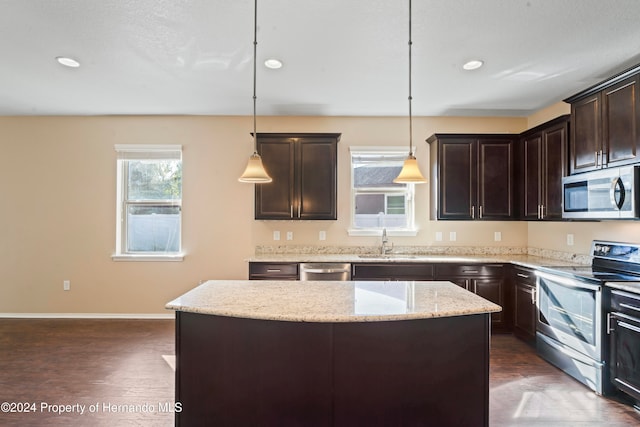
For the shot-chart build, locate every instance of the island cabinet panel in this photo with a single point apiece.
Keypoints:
(304, 172)
(391, 271)
(524, 303)
(472, 176)
(236, 371)
(273, 271)
(543, 164)
(605, 122)
(485, 280)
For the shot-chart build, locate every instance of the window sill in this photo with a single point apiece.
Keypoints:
(149, 257)
(378, 232)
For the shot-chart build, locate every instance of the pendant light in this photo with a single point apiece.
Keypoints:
(410, 173)
(255, 172)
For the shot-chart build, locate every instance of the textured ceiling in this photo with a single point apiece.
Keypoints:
(341, 57)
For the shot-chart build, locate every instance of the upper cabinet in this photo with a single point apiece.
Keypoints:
(604, 124)
(304, 172)
(472, 176)
(542, 165)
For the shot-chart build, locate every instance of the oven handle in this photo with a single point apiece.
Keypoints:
(569, 283)
(629, 326)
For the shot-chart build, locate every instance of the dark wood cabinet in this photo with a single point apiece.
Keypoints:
(391, 271)
(485, 280)
(472, 176)
(623, 329)
(524, 303)
(604, 124)
(543, 164)
(273, 271)
(304, 171)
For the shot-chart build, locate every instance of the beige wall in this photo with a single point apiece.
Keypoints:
(58, 216)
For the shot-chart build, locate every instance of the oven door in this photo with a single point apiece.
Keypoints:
(569, 311)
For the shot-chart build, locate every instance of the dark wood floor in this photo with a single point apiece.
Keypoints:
(117, 366)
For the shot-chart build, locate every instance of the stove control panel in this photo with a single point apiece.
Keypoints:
(627, 252)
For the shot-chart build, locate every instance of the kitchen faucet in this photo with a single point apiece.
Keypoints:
(384, 248)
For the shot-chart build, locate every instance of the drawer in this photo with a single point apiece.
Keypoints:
(273, 270)
(625, 302)
(469, 270)
(524, 275)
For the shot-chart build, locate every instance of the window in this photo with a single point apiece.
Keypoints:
(378, 202)
(149, 212)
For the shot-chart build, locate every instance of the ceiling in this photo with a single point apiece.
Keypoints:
(341, 57)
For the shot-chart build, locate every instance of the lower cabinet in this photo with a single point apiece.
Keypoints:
(524, 303)
(273, 271)
(485, 280)
(391, 271)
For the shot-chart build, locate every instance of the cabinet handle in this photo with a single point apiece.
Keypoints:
(469, 271)
(597, 154)
(541, 211)
(524, 276)
(473, 212)
(533, 296)
(291, 214)
(629, 306)
(298, 210)
(608, 323)
(480, 210)
(273, 270)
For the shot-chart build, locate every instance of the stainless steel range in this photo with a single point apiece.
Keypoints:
(570, 322)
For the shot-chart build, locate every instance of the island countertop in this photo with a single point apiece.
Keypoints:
(329, 301)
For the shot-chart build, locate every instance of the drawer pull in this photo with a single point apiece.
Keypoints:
(629, 306)
(470, 271)
(524, 276)
(273, 270)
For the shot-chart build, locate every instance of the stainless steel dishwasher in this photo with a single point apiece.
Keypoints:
(325, 271)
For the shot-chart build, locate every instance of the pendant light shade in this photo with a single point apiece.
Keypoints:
(255, 171)
(410, 173)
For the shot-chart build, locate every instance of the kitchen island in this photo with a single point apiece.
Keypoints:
(332, 353)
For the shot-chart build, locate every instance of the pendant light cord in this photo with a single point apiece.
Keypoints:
(255, 56)
(410, 98)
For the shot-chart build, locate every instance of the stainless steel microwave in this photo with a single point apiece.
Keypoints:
(604, 194)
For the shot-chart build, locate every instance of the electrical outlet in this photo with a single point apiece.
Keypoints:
(276, 235)
(289, 235)
(66, 285)
(569, 239)
(322, 235)
(497, 236)
(453, 236)
(438, 236)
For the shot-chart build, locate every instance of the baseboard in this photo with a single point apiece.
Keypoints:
(87, 315)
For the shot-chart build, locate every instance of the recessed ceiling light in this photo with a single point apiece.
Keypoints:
(273, 63)
(68, 62)
(473, 65)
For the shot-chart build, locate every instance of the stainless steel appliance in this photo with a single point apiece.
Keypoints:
(604, 194)
(570, 322)
(325, 271)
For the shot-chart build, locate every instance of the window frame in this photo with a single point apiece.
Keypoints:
(132, 152)
(408, 190)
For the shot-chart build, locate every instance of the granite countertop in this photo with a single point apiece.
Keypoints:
(329, 301)
(522, 260)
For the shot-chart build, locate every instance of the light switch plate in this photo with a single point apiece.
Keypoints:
(438, 236)
(276, 235)
(452, 236)
(289, 235)
(322, 235)
(497, 236)
(569, 239)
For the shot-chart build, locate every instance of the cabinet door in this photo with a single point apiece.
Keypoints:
(457, 163)
(524, 316)
(620, 118)
(495, 179)
(317, 183)
(553, 168)
(493, 290)
(586, 134)
(532, 185)
(275, 200)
